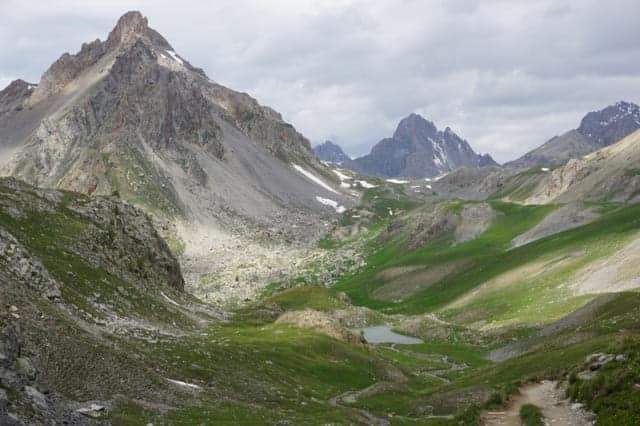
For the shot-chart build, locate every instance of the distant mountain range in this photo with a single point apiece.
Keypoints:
(597, 130)
(418, 149)
(331, 153)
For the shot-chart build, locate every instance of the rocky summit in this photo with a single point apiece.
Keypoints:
(597, 129)
(330, 152)
(419, 149)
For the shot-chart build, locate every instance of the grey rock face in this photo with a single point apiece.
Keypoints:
(419, 149)
(330, 152)
(13, 96)
(611, 124)
(25, 268)
(597, 130)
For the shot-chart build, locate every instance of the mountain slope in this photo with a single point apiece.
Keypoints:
(610, 174)
(330, 152)
(419, 149)
(129, 115)
(597, 130)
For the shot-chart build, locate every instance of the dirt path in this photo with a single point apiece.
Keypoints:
(557, 410)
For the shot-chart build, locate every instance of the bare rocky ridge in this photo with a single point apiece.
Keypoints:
(597, 130)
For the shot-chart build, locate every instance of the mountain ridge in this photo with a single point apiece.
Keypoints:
(597, 129)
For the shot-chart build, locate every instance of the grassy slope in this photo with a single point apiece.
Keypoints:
(514, 220)
(255, 372)
(491, 257)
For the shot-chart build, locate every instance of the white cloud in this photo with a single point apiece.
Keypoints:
(506, 75)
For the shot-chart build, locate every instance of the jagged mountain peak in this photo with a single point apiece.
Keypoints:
(418, 149)
(415, 125)
(331, 152)
(131, 27)
(130, 24)
(610, 124)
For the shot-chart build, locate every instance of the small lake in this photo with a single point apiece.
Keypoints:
(384, 334)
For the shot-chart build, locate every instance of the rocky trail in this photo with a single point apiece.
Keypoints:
(549, 397)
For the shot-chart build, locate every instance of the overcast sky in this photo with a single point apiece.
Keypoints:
(504, 74)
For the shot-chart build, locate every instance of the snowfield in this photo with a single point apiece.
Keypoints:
(397, 181)
(342, 176)
(314, 178)
(366, 184)
(332, 203)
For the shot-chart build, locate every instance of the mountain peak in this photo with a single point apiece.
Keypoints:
(130, 26)
(419, 149)
(415, 125)
(610, 124)
(331, 152)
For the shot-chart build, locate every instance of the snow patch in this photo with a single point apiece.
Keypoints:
(185, 384)
(397, 181)
(169, 299)
(332, 203)
(342, 176)
(437, 178)
(366, 184)
(175, 57)
(314, 178)
(545, 169)
(345, 185)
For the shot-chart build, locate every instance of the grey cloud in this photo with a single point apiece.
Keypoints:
(505, 74)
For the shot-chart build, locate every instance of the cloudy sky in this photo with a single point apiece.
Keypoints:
(504, 74)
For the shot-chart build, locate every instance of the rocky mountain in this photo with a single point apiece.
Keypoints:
(130, 116)
(597, 129)
(609, 174)
(419, 149)
(331, 152)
